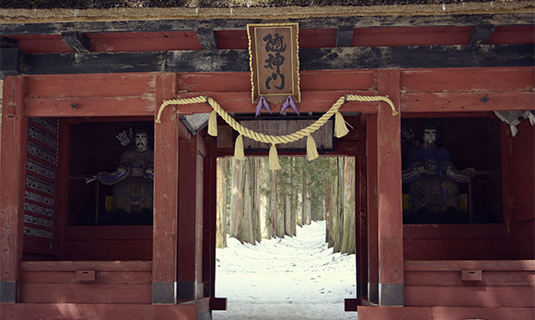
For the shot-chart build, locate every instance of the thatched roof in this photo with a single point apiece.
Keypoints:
(106, 4)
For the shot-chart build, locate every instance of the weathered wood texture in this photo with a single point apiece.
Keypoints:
(224, 92)
(361, 218)
(50, 311)
(443, 313)
(78, 42)
(166, 153)
(12, 175)
(344, 35)
(136, 41)
(390, 225)
(461, 90)
(56, 282)
(190, 218)
(11, 61)
(455, 242)
(466, 296)
(480, 34)
(373, 233)
(494, 265)
(41, 184)
(438, 283)
(523, 177)
(210, 221)
(93, 95)
(237, 60)
(207, 38)
(501, 19)
(107, 243)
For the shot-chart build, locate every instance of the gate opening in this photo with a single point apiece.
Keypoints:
(286, 239)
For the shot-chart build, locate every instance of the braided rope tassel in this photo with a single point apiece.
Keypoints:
(238, 148)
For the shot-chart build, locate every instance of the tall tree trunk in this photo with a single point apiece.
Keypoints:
(299, 190)
(257, 219)
(293, 196)
(248, 227)
(340, 205)
(236, 202)
(307, 206)
(288, 221)
(281, 208)
(264, 200)
(349, 240)
(274, 204)
(333, 214)
(328, 216)
(222, 210)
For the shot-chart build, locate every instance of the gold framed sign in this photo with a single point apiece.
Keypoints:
(274, 57)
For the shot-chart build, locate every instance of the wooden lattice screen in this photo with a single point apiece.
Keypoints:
(39, 195)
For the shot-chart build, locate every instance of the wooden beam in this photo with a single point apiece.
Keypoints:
(12, 175)
(390, 220)
(462, 20)
(430, 313)
(95, 63)
(10, 61)
(79, 42)
(416, 57)
(207, 38)
(467, 79)
(90, 107)
(164, 260)
(240, 102)
(344, 36)
(98, 311)
(46, 266)
(457, 265)
(467, 101)
(454, 279)
(9, 43)
(480, 34)
(465, 296)
(355, 58)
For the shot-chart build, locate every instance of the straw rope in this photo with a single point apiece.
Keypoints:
(260, 137)
(340, 128)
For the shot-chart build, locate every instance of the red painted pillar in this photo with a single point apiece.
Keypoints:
(190, 218)
(373, 253)
(12, 177)
(508, 189)
(164, 256)
(362, 221)
(209, 222)
(390, 220)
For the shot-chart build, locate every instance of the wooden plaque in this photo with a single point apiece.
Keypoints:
(274, 50)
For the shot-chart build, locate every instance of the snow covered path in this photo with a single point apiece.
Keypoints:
(285, 279)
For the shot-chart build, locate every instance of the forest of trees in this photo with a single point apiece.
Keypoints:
(255, 203)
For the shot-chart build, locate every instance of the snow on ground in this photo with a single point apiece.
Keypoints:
(294, 278)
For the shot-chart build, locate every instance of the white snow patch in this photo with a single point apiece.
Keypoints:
(292, 278)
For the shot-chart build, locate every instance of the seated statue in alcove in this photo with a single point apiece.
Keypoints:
(133, 182)
(432, 177)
